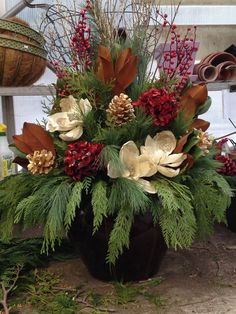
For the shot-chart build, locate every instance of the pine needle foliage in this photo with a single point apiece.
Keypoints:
(73, 204)
(12, 191)
(99, 203)
(180, 124)
(175, 213)
(209, 206)
(135, 130)
(110, 154)
(120, 235)
(128, 194)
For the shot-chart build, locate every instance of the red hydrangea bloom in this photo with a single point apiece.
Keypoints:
(161, 104)
(81, 159)
(229, 167)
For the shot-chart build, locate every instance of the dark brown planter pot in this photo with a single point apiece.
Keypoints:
(142, 259)
(231, 215)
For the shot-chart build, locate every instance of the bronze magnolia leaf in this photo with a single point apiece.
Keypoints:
(198, 93)
(200, 124)
(21, 144)
(23, 162)
(104, 65)
(125, 71)
(180, 144)
(33, 138)
(188, 105)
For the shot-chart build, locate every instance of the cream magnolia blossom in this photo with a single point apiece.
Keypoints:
(135, 167)
(158, 150)
(70, 120)
(155, 157)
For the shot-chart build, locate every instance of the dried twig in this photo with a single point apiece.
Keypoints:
(6, 291)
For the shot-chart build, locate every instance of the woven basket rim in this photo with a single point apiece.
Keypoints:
(21, 41)
(43, 52)
(24, 27)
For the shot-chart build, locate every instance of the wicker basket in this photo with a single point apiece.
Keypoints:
(22, 57)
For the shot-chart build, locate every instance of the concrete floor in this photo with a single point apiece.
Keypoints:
(200, 280)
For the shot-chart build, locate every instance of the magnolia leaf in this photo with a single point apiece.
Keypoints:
(125, 71)
(21, 144)
(189, 106)
(37, 138)
(23, 162)
(198, 93)
(180, 144)
(205, 107)
(122, 60)
(104, 65)
(189, 162)
(16, 151)
(200, 124)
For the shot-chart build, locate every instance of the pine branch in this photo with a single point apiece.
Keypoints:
(73, 204)
(119, 237)
(133, 197)
(175, 213)
(110, 155)
(99, 204)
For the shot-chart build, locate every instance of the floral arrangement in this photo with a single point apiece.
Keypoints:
(118, 138)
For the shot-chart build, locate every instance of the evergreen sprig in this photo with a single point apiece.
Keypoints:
(128, 194)
(120, 235)
(175, 213)
(211, 195)
(99, 203)
(73, 204)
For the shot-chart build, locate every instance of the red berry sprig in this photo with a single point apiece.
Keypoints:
(81, 41)
(178, 60)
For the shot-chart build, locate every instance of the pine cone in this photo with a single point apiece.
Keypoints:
(120, 110)
(41, 162)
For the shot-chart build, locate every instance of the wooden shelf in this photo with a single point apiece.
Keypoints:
(47, 90)
(221, 85)
(35, 90)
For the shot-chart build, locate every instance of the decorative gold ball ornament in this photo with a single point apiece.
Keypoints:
(41, 162)
(120, 110)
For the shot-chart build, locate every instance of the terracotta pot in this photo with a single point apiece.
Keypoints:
(207, 72)
(229, 73)
(220, 57)
(224, 74)
(231, 215)
(142, 259)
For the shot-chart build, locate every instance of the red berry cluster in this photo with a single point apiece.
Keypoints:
(221, 143)
(81, 159)
(178, 60)
(80, 41)
(229, 167)
(160, 104)
(60, 72)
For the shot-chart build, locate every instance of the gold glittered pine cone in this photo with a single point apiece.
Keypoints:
(120, 110)
(41, 162)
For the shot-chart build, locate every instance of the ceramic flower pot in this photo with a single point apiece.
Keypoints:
(207, 72)
(142, 259)
(231, 215)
